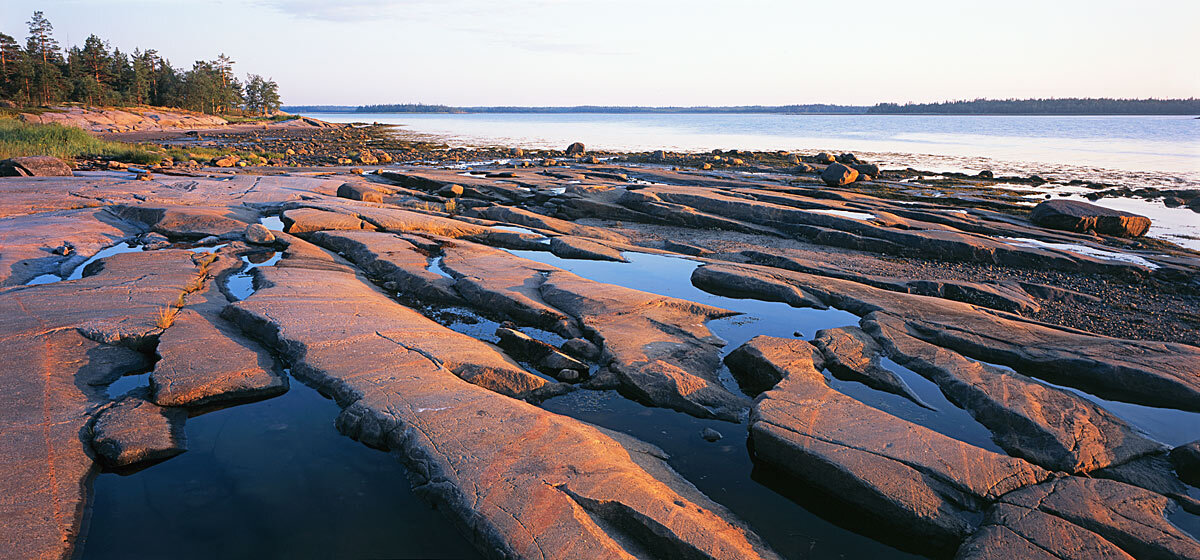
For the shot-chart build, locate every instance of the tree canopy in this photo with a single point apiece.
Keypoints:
(96, 73)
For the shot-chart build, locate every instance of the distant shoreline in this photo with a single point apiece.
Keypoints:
(1081, 107)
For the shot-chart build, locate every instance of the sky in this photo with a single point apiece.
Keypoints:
(659, 52)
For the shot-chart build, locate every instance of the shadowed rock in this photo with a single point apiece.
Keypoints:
(1012, 532)
(34, 166)
(1186, 459)
(658, 346)
(135, 430)
(1073, 215)
(203, 362)
(52, 380)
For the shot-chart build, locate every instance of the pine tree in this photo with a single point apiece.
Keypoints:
(10, 54)
(43, 48)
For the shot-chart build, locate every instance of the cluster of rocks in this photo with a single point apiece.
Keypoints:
(366, 261)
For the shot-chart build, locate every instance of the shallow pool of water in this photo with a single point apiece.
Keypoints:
(241, 284)
(1079, 250)
(271, 479)
(795, 522)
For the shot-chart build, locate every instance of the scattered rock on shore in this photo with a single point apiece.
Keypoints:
(1072, 215)
(34, 166)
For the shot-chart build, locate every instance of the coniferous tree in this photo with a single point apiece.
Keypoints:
(96, 73)
(43, 49)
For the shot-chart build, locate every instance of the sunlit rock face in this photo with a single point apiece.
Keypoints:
(662, 355)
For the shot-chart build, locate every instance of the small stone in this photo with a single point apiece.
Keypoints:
(259, 234)
(568, 375)
(451, 191)
(710, 435)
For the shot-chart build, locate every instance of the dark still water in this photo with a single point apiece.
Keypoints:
(272, 479)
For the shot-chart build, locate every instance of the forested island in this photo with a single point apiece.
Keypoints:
(1066, 106)
(43, 73)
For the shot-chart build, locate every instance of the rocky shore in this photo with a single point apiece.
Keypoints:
(959, 369)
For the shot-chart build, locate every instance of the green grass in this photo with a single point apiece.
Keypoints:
(24, 139)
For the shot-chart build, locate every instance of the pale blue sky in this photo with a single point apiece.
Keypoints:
(648, 52)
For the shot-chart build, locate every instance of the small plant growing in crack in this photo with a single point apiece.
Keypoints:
(166, 316)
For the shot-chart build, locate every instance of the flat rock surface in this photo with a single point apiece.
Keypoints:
(58, 358)
(134, 430)
(519, 480)
(390, 305)
(903, 472)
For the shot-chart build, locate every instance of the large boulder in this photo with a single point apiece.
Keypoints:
(1073, 215)
(837, 175)
(575, 149)
(359, 191)
(34, 166)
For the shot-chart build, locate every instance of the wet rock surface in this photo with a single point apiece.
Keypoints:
(835, 329)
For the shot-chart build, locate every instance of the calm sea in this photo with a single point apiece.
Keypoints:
(1159, 151)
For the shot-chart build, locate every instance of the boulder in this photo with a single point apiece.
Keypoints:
(824, 157)
(451, 191)
(135, 430)
(259, 234)
(575, 149)
(848, 159)
(34, 166)
(1073, 215)
(764, 360)
(1186, 460)
(543, 356)
(360, 191)
(869, 169)
(836, 175)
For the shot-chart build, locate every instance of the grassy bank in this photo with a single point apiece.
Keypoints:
(23, 139)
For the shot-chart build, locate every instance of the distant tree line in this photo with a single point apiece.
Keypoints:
(1066, 106)
(95, 73)
(1070, 106)
(786, 109)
